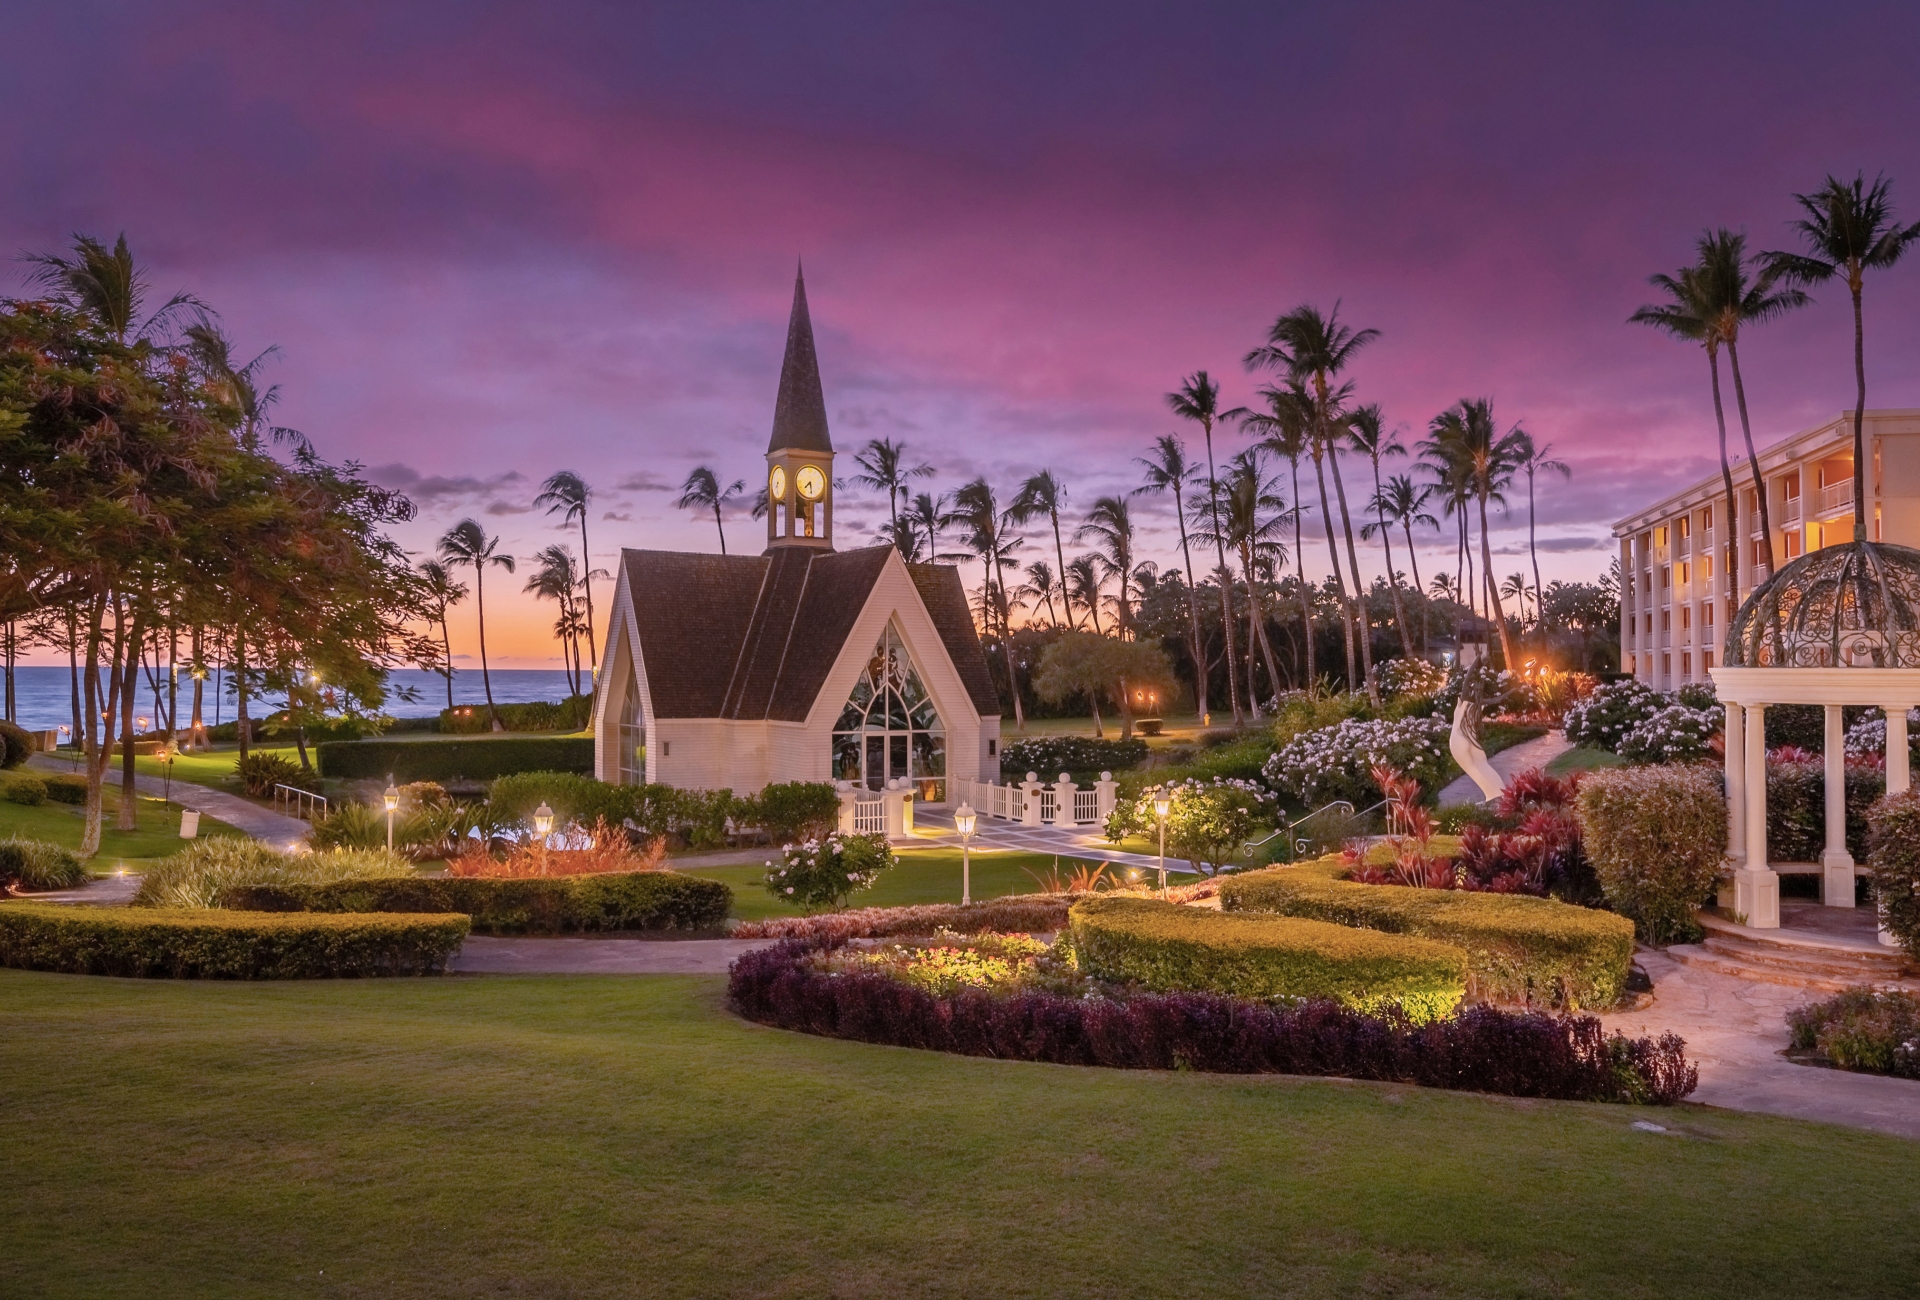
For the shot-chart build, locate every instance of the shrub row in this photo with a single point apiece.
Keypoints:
(1526, 1054)
(1014, 914)
(1049, 756)
(66, 787)
(1518, 948)
(1165, 947)
(222, 945)
(477, 759)
(639, 900)
(570, 714)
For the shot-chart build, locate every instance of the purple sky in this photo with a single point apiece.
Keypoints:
(495, 241)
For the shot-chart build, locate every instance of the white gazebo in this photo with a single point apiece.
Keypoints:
(1836, 627)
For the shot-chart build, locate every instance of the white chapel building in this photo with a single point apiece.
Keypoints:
(802, 663)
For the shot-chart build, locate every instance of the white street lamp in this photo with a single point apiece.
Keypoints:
(1162, 805)
(543, 826)
(964, 821)
(393, 805)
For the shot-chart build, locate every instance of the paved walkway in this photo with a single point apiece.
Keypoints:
(933, 828)
(583, 956)
(261, 823)
(1509, 763)
(1736, 1031)
(101, 891)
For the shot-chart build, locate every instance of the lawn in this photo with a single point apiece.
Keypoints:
(1582, 759)
(609, 1136)
(60, 823)
(214, 767)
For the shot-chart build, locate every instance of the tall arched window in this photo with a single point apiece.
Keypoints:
(890, 728)
(633, 735)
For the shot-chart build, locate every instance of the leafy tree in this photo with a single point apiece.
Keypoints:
(1086, 663)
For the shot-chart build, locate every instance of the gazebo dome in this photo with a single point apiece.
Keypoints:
(1851, 606)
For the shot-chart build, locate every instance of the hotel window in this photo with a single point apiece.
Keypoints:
(1666, 665)
(1649, 622)
(1706, 519)
(1685, 569)
(1792, 543)
(1686, 665)
(1706, 568)
(1666, 577)
(1666, 620)
(1706, 661)
(1660, 537)
(1686, 527)
(1686, 617)
(1706, 614)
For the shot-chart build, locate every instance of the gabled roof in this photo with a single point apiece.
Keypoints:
(747, 637)
(800, 409)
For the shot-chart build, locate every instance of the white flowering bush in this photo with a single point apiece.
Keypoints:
(1867, 738)
(1208, 822)
(1676, 734)
(1401, 677)
(1337, 762)
(1603, 719)
(825, 873)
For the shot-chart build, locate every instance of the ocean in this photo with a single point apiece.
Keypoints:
(44, 696)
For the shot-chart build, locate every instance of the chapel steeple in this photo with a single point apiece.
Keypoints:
(800, 452)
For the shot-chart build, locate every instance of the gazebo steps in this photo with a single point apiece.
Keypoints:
(1797, 958)
(1787, 976)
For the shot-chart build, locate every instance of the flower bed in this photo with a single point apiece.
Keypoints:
(1529, 1054)
(1861, 1029)
(1051, 755)
(949, 962)
(640, 900)
(1337, 762)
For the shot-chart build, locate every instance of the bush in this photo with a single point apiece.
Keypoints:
(1051, 755)
(1603, 719)
(794, 810)
(1657, 839)
(1862, 1029)
(1893, 851)
(1167, 948)
(1397, 678)
(1674, 734)
(199, 874)
(478, 759)
(1518, 948)
(826, 872)
(1338, 762)
(1797, 805)
(572, 796)
(571, 714)
(222, 945)
(1208, 822)
(581, 851)
(65, 787)
(259, 773)
(1295, 713)
(1017, 913)
(27, 789)
(38, 865)
(421, 832)
(640, 900)
(1525, 1055)
(16, 745)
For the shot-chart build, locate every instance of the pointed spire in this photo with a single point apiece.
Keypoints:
(800, 411)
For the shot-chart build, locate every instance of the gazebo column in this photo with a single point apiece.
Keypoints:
(1899, 779)
(1736, 742)
(1836, 886)
(1756, 889)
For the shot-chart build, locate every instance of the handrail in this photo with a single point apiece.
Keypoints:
(1297, 846)
(304, 802)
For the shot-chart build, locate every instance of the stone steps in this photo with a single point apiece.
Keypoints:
(1797, 958)
(1706, 959)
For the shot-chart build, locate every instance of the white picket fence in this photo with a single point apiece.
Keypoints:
(1040, 803)
(869, 817)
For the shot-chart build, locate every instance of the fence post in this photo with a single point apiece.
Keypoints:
(847, 797)
(1063, 800)
(1106, 792)
(893, 803)
(1030, 799)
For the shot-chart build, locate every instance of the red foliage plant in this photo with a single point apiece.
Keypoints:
(602, 850)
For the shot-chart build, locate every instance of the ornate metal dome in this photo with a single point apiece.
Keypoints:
(1850, 606)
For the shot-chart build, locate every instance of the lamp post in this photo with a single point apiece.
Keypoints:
(543, 826)
(1162, 805)
(964, 821)
(166, 757)
(393, 806)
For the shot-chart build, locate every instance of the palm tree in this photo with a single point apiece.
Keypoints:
(1849, 229)
(1043, 494)
(106, 285)
(883, 467)
(1084, 579)
(702, 491)
(1167, 470)
(467, 543)
(1109, 524)
(1538, 459)
(976, 508)
(1467, 433)
(442, 592)
(1404, 502)
(1283, 430)
(555, 580)
(1254, 515)
(1039, 587)
(928, 514)
(237, 385)
(1368, 434)
(903, 535)
(1313, 349)
(1198, 399)
(1515, 587)
(566, 493)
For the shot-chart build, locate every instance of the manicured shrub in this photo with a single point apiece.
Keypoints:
(259, 773)
(1797, 804)
(824, 873)
(573, 796)
(1051, 755)
(1674, 734)
(16, 745)
(1518, 948)
(1169, 948)
(1529, 1054)
(641, 900)
(143, 942)
(1338, 762)
(66, 787)
(789, 811)
(24, 788)
(1603, 719)
(1657, 839)
(480, 758)
(1016, 913)
(1208, 822)
(38, 865)
(1862, 1029)
(199, 874)
(570, 714)
(1893, 851)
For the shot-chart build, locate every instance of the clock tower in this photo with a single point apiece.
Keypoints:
(800, 454)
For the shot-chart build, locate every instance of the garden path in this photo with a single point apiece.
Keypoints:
(1509, 763)
(480, 955)
(1736, 1032)
(101, 891)
(261, 823)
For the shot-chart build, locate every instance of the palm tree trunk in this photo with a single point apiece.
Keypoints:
(129, 684)
(1060, 558)
(1226, 601)
(1361, 616)
(1300, 574)
(1006, 643)
(197, 728)
(1753, 459)
(446, 644)
(1493, 591)
(1731, 532)
(723, 528)
(1259, 621)
(1413, 559)
(73, 664)
(1200, 673)
(1859, 415)
(586, 581)
(480, 603)
(242, 724)
(1393, 579)
(1340, 582)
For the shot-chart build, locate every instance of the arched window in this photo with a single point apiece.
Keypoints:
(633, 734)
(890, 728)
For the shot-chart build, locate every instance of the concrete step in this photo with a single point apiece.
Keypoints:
(1838, 963)
(1764, 973)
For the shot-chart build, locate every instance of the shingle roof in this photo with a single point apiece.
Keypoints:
(946, 602)
(800, 409)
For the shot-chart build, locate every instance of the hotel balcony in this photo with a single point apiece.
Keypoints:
(1790, 513)
(1836, 498)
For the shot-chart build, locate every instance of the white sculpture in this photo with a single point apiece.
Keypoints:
(1464, 745)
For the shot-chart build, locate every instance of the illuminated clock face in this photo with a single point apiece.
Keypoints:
(811, 482)
(777, 482)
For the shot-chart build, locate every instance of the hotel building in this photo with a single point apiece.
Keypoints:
(1676, 596)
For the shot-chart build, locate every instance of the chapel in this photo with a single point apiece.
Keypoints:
(802, 663)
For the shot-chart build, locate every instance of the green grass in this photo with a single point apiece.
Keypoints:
(923, 876)
(1582, 759)
(214, 767)
(59, 823)
(605, 1136)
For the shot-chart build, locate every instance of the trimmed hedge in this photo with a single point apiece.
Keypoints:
(146, 942)
(66, 787)
(636, 900)
(571, 714)
(1051, 755)
(1893, 851)
(17, 745)
(1526, 1054)
(478, 759)
(1657, 839)
(1519, 948)
(25, 788)
(1166, 948)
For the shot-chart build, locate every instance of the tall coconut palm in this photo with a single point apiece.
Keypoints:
(1284, 430)
(1254, 514)
(1468, 434)
(467, 543)
(989, 536)
(108, 285)
(1040, 586)
(702, 491)
(1849, 229)
(237, 384)
(1167, 470)
(1084, 579)
(1109, 526)
(1043, 494)
(1403, 502)
(883, 467)
(441, 593)
(928, 514)
(556, 579)
(1536, 459)
(1369, 436)
(1198, 399)
(1515, 589)
(567, 494)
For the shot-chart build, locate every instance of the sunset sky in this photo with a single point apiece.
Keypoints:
(493, 241)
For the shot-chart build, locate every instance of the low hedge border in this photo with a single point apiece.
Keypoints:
(476, 759)
(637, 900)
(1166, 947)
(150, 943)
(1519, 948)
(1483, 1049)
